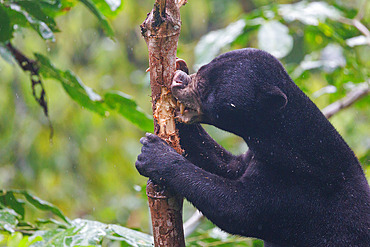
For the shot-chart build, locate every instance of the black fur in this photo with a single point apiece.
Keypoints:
(299, 184)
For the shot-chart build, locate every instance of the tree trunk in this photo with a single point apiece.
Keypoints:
(161, 30)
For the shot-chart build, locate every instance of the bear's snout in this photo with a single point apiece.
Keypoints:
(180, 80)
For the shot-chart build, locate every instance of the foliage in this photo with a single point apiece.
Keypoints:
(39, 15)
(15, 231)
(88, 169)
(87, 98)
(216, 237)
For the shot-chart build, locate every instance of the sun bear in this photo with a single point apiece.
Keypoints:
(299, 184)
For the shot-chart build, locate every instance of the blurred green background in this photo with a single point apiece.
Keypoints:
(88, 169)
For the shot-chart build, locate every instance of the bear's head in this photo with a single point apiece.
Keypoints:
(232, 92)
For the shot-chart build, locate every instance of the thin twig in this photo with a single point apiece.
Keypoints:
(25, 63)
(361, 27)
(192, 223)
(357, 24)
(347, 101)
(181, 3)
(31, 65)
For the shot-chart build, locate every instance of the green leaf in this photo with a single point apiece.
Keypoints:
(87, 98)
(329, 59)
(42, 222)
(6, 29)
(358, 40)
(78, 232)
(274, 37)
(52, 8)
(79, 92)
(109, 8)
(211, 44)
(332, 57)
(8, 219)
(55, 237)
(128, 108)
(217, 237)
(3, 237)
(91, 233)
(102, 19)
(17, 19)
(33, 239)
(308, 13)
(43, 205)
(8, 199)
(6, 54)
(15, 239)
(23, 17)
(34, 8)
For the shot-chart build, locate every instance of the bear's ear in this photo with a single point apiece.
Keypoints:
(273, 98)
(181, 65)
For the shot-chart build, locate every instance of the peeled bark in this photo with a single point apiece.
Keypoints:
(161, 30)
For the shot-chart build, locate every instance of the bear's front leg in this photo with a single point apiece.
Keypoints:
(225, 202)
(206, 153)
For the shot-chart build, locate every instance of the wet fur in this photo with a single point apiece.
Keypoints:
(299, 184)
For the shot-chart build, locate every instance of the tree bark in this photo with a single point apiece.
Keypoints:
(161, 30)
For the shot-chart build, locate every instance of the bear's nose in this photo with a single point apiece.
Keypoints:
(180, 79)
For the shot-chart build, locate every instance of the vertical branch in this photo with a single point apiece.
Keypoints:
(161, 30)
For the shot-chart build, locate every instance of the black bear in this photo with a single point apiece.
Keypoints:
(299, 184)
